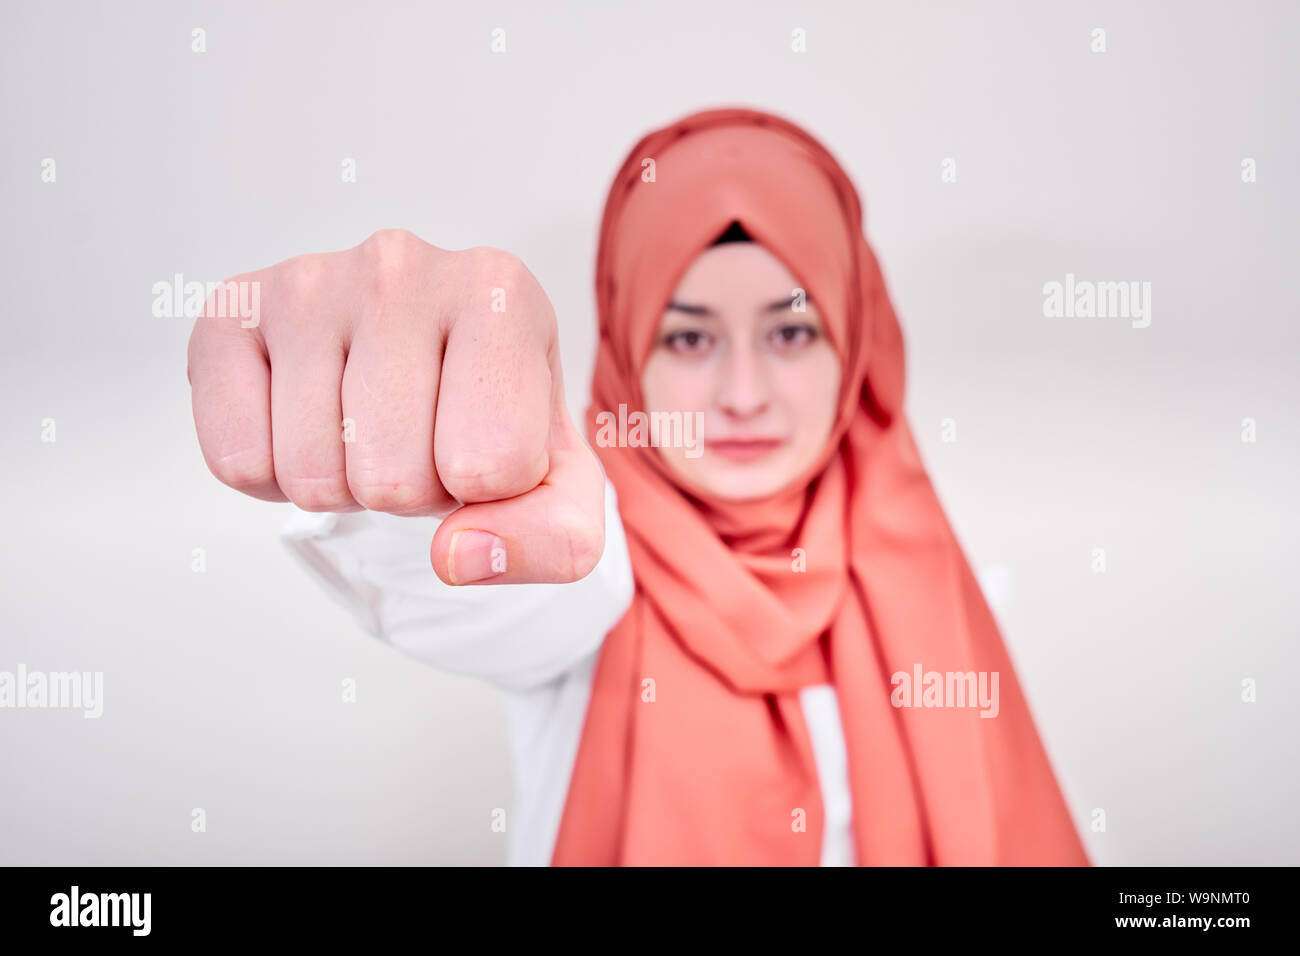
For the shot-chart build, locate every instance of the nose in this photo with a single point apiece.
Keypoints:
(743, 390)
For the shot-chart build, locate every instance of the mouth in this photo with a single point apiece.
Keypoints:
(744, 449)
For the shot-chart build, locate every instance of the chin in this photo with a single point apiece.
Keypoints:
(743, 482)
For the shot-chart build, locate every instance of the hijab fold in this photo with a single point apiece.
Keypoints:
(694, 747)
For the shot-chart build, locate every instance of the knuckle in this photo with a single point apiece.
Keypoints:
(390, 254)
(216, 297)
(244, 471)
(298, 299)
(499, 280)
(482, 477)
(586, 544)
(391, 242)
(327, 493)
(221, 301)
(489, 266)
(301, 277)
(395, 494)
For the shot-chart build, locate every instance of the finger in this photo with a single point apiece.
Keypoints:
(552, 534)
(307, 423)
(230, 384)
(498, 374)
(390, 391)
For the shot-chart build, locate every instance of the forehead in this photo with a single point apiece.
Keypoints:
(735, 272)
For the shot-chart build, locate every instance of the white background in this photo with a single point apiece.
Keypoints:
(222, 688)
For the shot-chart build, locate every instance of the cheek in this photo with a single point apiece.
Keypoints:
(812, 391)
(668, 385)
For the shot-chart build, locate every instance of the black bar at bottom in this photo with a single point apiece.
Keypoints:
(343, 905)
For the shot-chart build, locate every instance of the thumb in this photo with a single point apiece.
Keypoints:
(554, 533)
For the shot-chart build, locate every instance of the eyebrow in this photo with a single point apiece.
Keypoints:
(779, 305)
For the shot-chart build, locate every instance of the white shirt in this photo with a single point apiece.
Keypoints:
(538, 643)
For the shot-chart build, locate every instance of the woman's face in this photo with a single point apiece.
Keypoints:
(732, 345)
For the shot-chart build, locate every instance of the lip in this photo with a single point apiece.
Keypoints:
(744, 449)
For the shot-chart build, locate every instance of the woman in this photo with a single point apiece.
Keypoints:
(733, 682)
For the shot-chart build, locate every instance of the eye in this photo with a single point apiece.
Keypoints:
(688, 341)
(793, 336)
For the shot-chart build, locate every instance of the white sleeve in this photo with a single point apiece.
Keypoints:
(513, 635)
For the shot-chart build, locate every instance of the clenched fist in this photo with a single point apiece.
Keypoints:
(404, 378)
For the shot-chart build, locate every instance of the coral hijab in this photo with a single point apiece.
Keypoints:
(694, 748)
